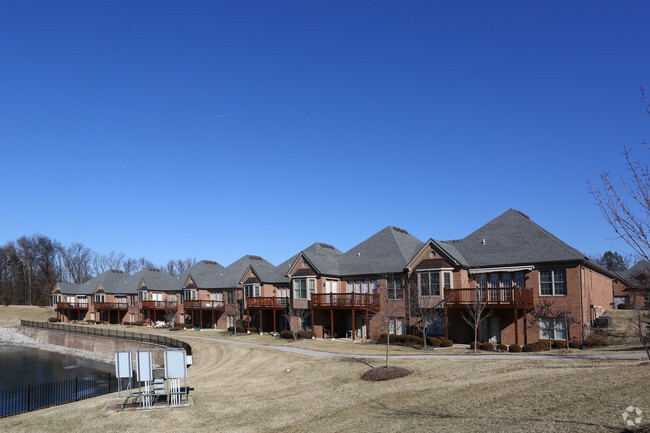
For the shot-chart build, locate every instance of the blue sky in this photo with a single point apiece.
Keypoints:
(218, 129)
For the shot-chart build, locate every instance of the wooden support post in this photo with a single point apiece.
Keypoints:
(516, 327)
(312, 320)
(274, 330)
(332, 323)
(213, 318)
(446, 325)
(354, 328)
(525, 330)
(261, 326)
(248, 319)
(367, 326)
(201, 318)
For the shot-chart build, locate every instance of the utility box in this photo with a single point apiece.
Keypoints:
(604, 322)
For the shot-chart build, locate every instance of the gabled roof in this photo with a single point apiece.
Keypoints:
(322, 257)
(112, 282)
(204, 274)
(281, 270)
(267, 273)
(233, 273)
(512, 239)
(73, 289)
(637, 275)
(387, 251)
(154, 279)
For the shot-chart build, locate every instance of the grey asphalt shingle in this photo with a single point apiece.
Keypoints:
(204, 274)
(73, 289)
(513, 239)
(233, 273)
(387, 251)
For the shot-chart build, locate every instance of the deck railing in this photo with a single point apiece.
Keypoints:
(345, 300)
(502, 296)
(273, 302)
(111, 306)
(160, 305)
(204, 305)
(72, 305)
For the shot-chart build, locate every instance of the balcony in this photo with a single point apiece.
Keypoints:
(159, 305)
(268, 302)
(72, 305)
(348, 301)
(204, 305)
(111, 306)
(503, 297)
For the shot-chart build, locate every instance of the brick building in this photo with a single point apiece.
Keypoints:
(375, 287)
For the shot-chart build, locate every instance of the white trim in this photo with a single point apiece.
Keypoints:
(434, 269)
(501, 269)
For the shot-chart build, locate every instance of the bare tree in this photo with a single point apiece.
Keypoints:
(426, 308)
(176, 267)
(77, 263)
(550, 317)
(391, 292)
(295, 317)
(641, 326)
(626, 206)
(476, 311)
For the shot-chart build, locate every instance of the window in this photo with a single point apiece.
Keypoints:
(252, 290)
(132, 302)
(373, 287)
(312, 287)
(436, 326)
(366, 285)
(171, 298)
(552, 282)
(350, 287)
(99, 298)
(394, 287)
(230, 297)
(481, 281)
(190, 295)
(494, 281)
(429, 283)
(519, 279)
(506, 280)
(300, 289)
(558, 333)
(230, 321)
(396, 326)
(447, 280)
(132, 317)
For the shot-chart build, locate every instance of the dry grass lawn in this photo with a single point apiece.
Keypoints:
(10, 315)
(249, 390)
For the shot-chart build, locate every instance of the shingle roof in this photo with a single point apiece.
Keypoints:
(112, 281)
(154, 279)
(324, 257)
(387, 251)
(204, 274)
(511, 239)
(233, 273)
(73, 289)
(640, 269)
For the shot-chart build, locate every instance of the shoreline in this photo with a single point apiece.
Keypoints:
(11, 336)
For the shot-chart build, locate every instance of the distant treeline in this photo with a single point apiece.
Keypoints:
(31, 266)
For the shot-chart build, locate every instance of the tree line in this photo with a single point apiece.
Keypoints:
(31, 266)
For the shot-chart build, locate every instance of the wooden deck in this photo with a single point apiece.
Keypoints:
(347, 301)
(267, 302)
(205, 305)
(503, 297)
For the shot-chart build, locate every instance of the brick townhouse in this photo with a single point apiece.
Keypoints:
(374, 287)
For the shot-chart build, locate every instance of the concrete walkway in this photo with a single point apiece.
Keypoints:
(320, 354)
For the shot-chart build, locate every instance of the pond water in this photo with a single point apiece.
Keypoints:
(21, 366)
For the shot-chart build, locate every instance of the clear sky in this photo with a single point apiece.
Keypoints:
(169, 129)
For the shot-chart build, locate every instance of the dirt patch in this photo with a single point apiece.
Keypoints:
(385, 373)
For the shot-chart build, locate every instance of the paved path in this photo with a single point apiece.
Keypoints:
(320, 354)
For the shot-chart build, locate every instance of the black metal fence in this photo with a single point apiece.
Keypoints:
(32, 397)
(112, 333)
